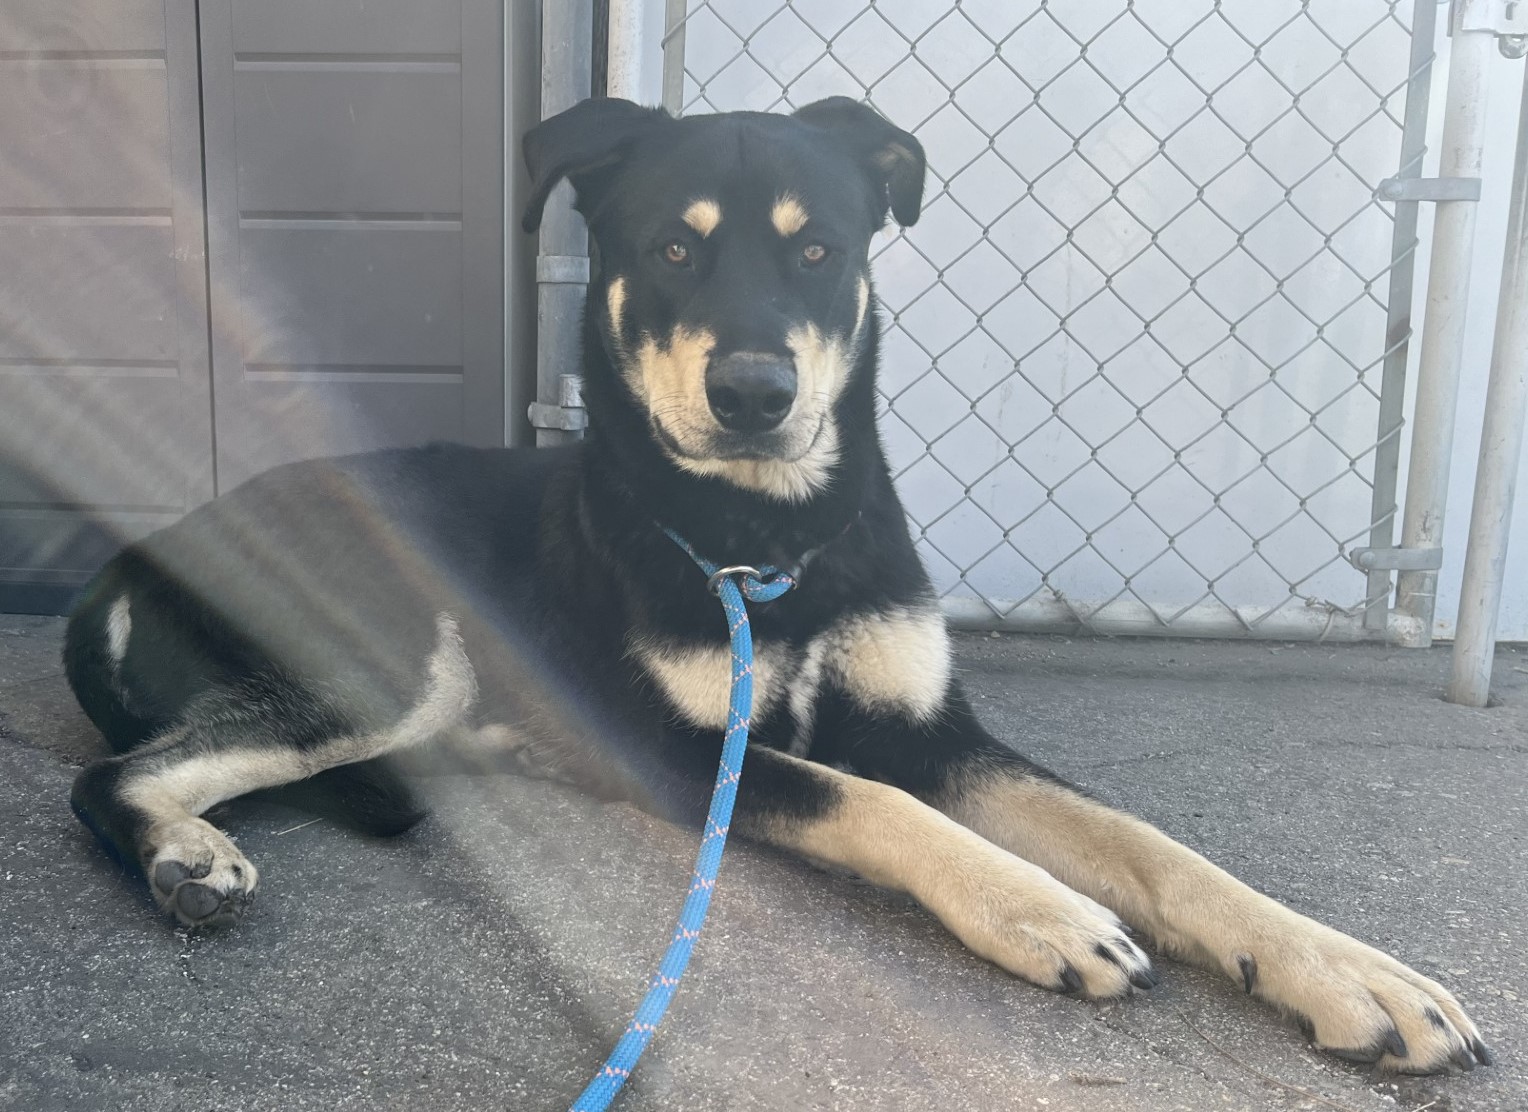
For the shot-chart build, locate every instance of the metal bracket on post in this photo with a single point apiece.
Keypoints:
(1506, 19)
(568, 414)
(566, 270)
(1428, 189)
(1396, 559)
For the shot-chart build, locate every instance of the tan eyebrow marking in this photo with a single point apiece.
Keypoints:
(703, 215)
(788, 215)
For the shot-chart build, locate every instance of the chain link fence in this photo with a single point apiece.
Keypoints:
(1136, 345)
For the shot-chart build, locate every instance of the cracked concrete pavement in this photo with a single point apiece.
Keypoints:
(488, 958)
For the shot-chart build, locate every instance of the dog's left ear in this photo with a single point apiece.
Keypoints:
(579, 144)
(892, 157)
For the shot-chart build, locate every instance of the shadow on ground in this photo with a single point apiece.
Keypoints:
(487, 959)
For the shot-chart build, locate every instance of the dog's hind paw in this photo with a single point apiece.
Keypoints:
(198, 875)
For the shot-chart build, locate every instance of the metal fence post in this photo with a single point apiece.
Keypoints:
(1501, 445)
(674, 16)
(626, 50)
(562, 261)
(1398, 323)
(1448, 286)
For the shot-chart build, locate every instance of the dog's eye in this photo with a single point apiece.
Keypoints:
(812, 254)
(676, 253)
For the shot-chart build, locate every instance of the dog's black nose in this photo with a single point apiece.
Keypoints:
(750, 391)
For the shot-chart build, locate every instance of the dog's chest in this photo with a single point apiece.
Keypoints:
(892, 661)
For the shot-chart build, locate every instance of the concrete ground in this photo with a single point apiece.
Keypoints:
(488, 958)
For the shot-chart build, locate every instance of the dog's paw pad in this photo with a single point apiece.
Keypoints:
(198, 876)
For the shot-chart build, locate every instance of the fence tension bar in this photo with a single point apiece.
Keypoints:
(1396, 559)
(1428, 189)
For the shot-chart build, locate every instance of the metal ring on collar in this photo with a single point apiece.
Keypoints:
(714, 584)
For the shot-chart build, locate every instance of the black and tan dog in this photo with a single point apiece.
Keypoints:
(328, 618)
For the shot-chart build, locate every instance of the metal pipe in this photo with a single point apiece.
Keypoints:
(522, 108)
(1448, 287)
(1398, 323)
(1130, 618)
(1501, 447)
(674, 17)
(623, 77)
(562, 263)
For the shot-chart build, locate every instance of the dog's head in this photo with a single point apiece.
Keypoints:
(733, 298)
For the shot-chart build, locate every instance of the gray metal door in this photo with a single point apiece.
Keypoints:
(355, 158)
(105, 428)
(344, 267)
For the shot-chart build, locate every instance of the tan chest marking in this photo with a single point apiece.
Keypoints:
(897, 660)
(697, 680)
(804, 684)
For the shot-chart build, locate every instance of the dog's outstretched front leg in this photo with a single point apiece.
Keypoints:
(1349, 998)
(1006, 909)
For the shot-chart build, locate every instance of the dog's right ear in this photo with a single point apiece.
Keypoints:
(578, 144)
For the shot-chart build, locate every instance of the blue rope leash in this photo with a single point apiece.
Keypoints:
(732, 585)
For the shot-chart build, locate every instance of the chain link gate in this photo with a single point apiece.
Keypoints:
(1145, 349)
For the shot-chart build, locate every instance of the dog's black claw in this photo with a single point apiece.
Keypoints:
(1070, 980)
(1307, 1028)
(1482, 1053)
(1248, 965)
(1395, 1045)
(1147, 978)
(1462, 1058)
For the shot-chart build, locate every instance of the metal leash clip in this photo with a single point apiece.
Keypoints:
(714, 583)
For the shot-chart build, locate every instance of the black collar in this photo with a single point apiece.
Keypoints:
(796, 568)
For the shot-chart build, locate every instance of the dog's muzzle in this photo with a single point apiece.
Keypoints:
(750, 391)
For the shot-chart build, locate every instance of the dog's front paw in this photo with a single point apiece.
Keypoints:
(1018, 916)
(1355, 1002)
(198, 875)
